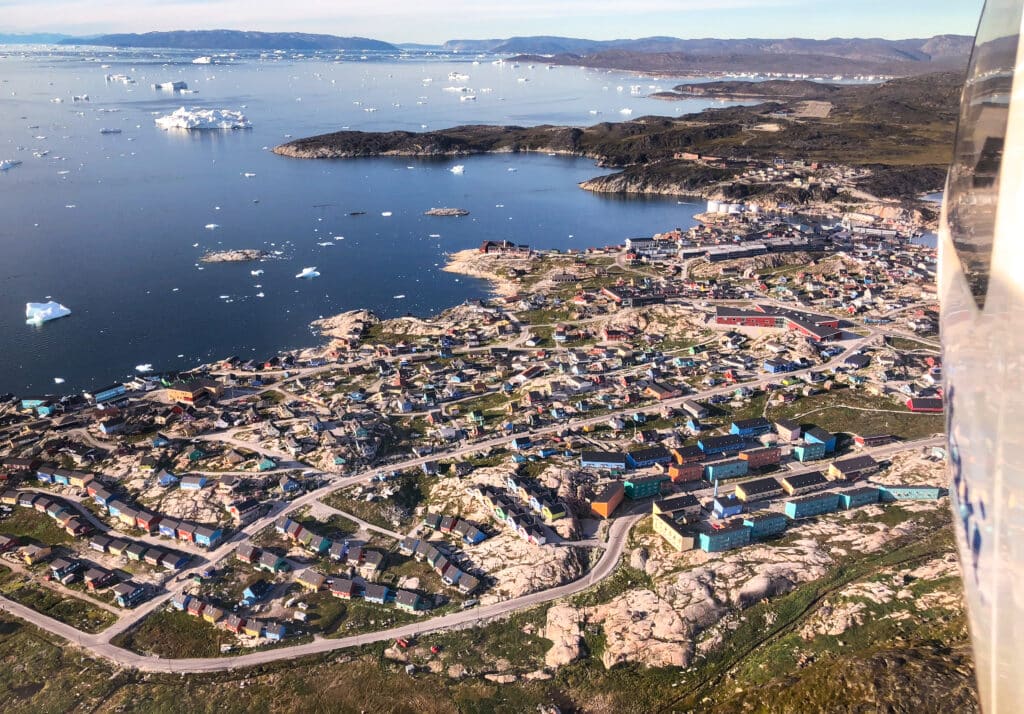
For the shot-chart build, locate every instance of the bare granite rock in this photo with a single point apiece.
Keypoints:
(563, 629)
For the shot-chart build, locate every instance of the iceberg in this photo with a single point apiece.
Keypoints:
(58, 380)
(171, 86)
(147, 367)
(308, 273)
(256, 272)
(457, 169)
(212, 226)
(40, 312)
(8, 164)
(183, 118)
(203, 60)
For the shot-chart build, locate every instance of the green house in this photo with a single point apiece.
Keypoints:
(266, 464)
(644, 487)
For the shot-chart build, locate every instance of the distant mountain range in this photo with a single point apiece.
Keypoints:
(38, 38)
(233, 40)
(670, 54)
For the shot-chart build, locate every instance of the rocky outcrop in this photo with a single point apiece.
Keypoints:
(245, 255)
(641, 627)
(563, 629)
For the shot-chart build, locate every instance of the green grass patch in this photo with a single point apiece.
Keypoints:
(78, 613)
(29, 524)
(170, 633)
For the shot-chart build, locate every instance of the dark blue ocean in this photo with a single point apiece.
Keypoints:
(112, 225)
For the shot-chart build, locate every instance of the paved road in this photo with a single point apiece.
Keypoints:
(98, 644)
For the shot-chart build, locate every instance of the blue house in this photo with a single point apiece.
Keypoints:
(910, 493)
(817, 435)
(722, 470)
(813, 505)
(167, 479)
(715, 540)
(721, 444)
(521, 443)
(727, 506)
(808, 452)
(208, 537)
(33, 402)
(764, 524)
(645, 458)
(256, 592)
(274, 632)
(107, 393)
(168, 528)
(45, 474)
(750, 427)
(776, 366)
(857, 497)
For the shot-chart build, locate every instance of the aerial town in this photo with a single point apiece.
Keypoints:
(703, 390)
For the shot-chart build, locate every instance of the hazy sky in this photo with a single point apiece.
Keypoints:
(419, 21)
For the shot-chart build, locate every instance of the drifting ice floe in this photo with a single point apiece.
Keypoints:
(626, 111)
(399, 297)
(8, 164)
(203, 60)
(386, 214)
(171, 86)
(147, 367)
(308, 273)
(58, 380)
(212, 226)
(457, 169)
(255, 272)
(40, 312)
(183, 118)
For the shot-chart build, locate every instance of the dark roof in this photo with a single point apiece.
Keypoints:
(677, 503)
(717, 442)
(787, 424)
(607, 492)
(856, 463)
(654, 452)
(811, 478)
(604, 457)
(752, 423)
(759, 486)
(818, 433)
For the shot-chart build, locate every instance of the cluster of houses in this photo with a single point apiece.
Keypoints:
(681, 521)
(451, 575)
(70, 520)
(229, 621)
(348, 589)
(366, 562)
(515, 507)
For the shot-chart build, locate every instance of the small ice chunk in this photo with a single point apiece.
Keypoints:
(147, 367)
(457, 169)
(259, 295)
(256, 272)
(399, 297)
(58, 380)
(212, 226)
(39, 312)
(308, 273)
(6, 164)
(249, 174)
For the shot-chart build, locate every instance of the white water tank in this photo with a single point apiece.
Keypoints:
(713, 206)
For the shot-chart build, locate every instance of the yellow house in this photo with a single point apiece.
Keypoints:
(672, 532)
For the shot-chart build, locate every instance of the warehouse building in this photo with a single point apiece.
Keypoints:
(813, 505)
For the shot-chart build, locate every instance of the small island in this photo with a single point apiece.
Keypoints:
(446, 212)
(244, 255)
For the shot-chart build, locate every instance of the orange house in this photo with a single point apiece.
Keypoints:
(692, 471)
(604, 504)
